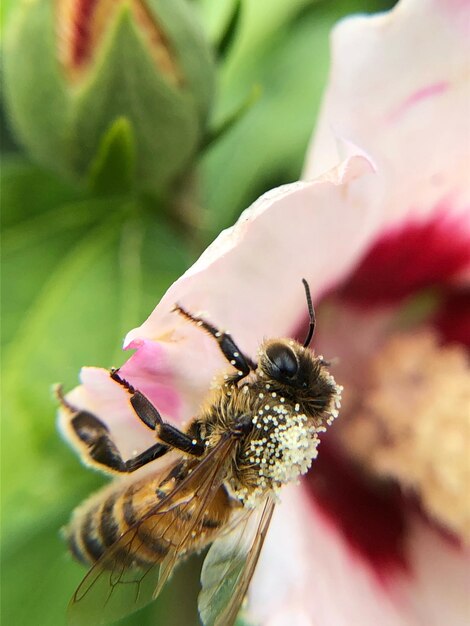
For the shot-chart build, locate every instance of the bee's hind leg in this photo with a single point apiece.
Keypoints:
(94, 440)
(150, 416)
(243, 364)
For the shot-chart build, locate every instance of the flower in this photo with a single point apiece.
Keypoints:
(377, 532)
(75, 68)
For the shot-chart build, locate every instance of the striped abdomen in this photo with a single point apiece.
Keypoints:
(100, 521)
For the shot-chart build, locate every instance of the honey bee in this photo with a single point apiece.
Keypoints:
(257, 431)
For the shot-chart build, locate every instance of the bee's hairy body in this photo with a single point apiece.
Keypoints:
(276, 426)
(257, 430)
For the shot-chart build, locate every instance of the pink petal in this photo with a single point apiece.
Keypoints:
(249, 280)
(437, 592)
(307, 568)
(400, 90)
(308, 574)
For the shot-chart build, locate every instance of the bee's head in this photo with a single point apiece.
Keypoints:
(294, 371)
(297, 372)
(286, 362)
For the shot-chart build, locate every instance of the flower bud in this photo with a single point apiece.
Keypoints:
(74, 67)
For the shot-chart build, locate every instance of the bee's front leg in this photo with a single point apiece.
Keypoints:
(243, 364)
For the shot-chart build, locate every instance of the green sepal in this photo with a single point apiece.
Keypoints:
(113, 168)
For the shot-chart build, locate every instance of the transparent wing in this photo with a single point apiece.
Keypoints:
(121, 582)
(229, 567)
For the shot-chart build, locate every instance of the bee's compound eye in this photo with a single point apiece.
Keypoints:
(283, 359)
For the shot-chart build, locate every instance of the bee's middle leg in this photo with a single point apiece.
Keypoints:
(151, 417)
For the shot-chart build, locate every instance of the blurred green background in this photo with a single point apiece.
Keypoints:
(84, 262)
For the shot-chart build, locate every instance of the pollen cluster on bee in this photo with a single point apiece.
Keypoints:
(284, 450)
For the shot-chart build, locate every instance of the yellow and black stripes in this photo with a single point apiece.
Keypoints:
(125, 511)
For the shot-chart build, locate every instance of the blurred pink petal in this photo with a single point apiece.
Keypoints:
(308, 574)
(437, 590)
(399, 89)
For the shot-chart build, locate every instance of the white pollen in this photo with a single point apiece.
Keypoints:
(218, 334)
(261, 395)
(194, 442)
(274, 394)
(233, 362)
(236, 354)
(199, 323)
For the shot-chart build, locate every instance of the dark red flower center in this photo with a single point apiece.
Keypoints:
(371, 512)
(413, 257)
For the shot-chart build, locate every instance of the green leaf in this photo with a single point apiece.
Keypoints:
(107, 280)
(78, 317)
(228, 36)
(113, 169)
(28, 190)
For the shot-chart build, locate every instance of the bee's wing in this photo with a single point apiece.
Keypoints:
(229, 567)
(114, 587)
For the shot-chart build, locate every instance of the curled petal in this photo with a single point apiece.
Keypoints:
(236, 283)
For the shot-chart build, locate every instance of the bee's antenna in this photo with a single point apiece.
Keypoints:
(311, 312)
